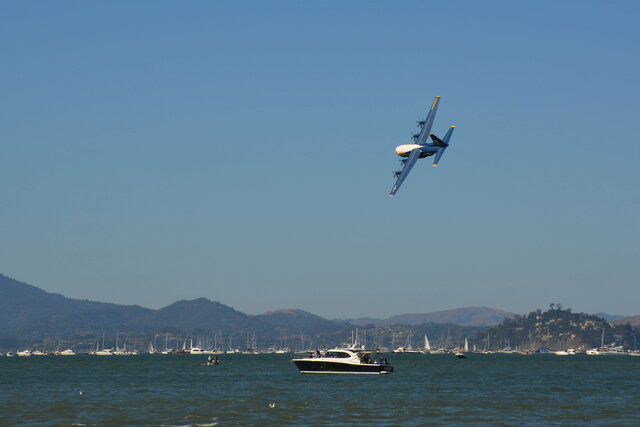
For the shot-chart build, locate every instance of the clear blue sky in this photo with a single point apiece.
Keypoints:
(154, 151)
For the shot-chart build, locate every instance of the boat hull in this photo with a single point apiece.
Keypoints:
(331, 367)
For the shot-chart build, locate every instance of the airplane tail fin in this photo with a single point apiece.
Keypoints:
(442, 144)
(438, 142)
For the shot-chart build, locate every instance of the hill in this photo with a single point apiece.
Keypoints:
(632, 320)
(557, 329)
(306, 321)
(28, 313)
(609, 317)
(466, 316)
(199, 314)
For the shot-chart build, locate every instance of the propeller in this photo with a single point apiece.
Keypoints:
(415, 136)
(403, 161)
(396, 173)
(421, 123)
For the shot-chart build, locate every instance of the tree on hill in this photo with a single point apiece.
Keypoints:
(557, 328)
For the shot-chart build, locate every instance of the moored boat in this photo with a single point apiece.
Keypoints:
(195, 350)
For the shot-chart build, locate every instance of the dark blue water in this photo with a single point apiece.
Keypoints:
(424, 390)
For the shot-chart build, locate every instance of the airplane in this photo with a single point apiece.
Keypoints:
(421, 148)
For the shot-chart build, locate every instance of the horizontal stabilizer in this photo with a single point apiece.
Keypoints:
(447, 137)
(439, 154)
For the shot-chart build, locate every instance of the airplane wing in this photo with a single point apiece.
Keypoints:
(411, 160)
(428, 122)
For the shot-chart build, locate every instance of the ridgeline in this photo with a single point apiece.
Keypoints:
(32, 317)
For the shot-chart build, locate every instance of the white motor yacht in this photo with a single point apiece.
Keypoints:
(342, 361)
(607, 351)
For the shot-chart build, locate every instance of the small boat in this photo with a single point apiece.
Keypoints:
(342, 361)
(607, 351)
(67, 352)
(195, 350)
(461, 353)
(212, 361)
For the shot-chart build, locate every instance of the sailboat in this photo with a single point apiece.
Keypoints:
(104, 351)
(166, 350)
(461, 353)
(427, 346)
(408, 347)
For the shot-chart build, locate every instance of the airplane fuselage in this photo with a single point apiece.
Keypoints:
(425, 150)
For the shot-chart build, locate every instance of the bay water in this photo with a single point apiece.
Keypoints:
(267, 389)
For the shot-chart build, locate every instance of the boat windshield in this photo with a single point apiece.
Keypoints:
(340, 354)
